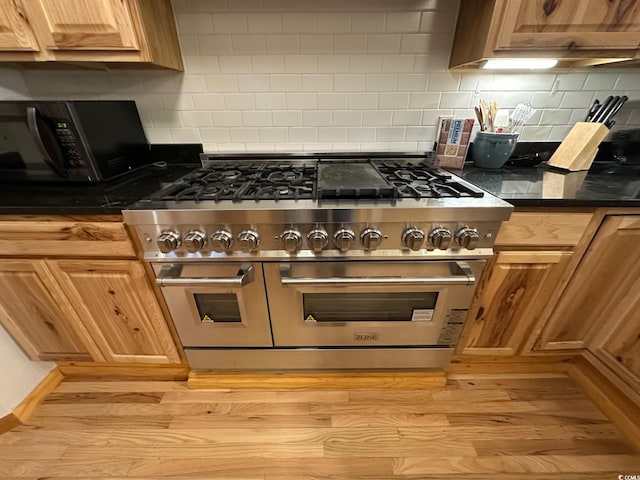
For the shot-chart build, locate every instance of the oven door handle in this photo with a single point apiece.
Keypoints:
(170, 276)
(467, 278)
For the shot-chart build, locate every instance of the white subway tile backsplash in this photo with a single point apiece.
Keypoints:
(367, 22)
(227, 119)
(398, 63)
(365, 63)
(271, 101)
(455, 100)
(283, 44)
(424, 100)
(302, 101)
(254, 83)
(235, 63)
(393, 100)
(362, 101)
(229, 23)
(407, 117)
(346, 118)
(415, 43)
(577, 100)
(264, 22)
(195, 119)
(209, 101)
(214, 44)
(317, 83)
(303, 134)
(403, 22)
(316, 43)
(287, 118)
(333, 22)
(377, 117)
(332, 101)
(316, 118)
(185, 135)
(215, 135)
(412, 82)
(265, 75)
(333, 64)
(240, 101)
(244, 135)
(349, 43)
(247, 44)
(300, 64)
(383, 43)
(332, 134)
(299, 22)
(256, 119)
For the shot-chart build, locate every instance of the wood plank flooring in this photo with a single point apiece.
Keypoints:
(476, 427)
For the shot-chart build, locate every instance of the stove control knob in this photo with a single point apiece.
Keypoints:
(467, 237)
(195, 240)
(412, 238)
(440, 238)
(168, 240)
(221, 241)
(317, 239)
(343, 239)
(291, 240)
(371, 238)
(249, 241)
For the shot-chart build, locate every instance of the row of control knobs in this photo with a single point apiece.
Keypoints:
(317, 239)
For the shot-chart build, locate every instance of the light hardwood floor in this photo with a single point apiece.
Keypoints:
(476, 427)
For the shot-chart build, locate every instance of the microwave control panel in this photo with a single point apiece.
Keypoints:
(68, 144)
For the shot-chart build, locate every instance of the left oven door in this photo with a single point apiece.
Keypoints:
(216, 305)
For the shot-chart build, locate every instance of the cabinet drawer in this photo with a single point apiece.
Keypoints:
(69, 239)
(543, 229)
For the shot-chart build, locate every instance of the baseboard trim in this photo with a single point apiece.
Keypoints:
(9, 422)
(318, 380)
(497, 364)
(26, 408)
(74, 371)
(617, 402)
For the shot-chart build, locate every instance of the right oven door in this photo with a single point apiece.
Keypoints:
(379, 303)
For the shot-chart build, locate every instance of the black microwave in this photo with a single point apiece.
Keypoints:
(75, 141)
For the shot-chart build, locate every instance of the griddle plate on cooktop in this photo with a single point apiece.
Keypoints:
(352, 180)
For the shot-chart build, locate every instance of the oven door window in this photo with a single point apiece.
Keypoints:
(369, 307)
(217, 307)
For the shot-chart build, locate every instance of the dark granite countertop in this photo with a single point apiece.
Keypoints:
(89, 199)
(606, 184)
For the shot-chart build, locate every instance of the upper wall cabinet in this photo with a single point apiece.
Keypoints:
(579, 32)
(114, 32)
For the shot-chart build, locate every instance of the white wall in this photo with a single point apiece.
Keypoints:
(18, 374)
(331, 74)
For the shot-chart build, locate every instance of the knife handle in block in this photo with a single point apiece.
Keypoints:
(580, 147)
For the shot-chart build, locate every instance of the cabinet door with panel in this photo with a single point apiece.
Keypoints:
(36, 313)
(16, 34)
(602, 290)
(510, 300)
(569, 25)
(84, 24)
(118, 308)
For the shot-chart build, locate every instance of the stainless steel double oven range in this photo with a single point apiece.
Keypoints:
(318, 261)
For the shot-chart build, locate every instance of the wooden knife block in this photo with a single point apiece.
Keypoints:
(580, 147)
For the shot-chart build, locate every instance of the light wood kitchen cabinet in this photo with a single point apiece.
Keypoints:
(15, 32)
(602, 298)
(583, 32)
(117, 306)
(522, 282)
(116, 32)
(37, 314)
(72, 290)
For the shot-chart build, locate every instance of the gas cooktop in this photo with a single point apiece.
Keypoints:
(315, 179)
